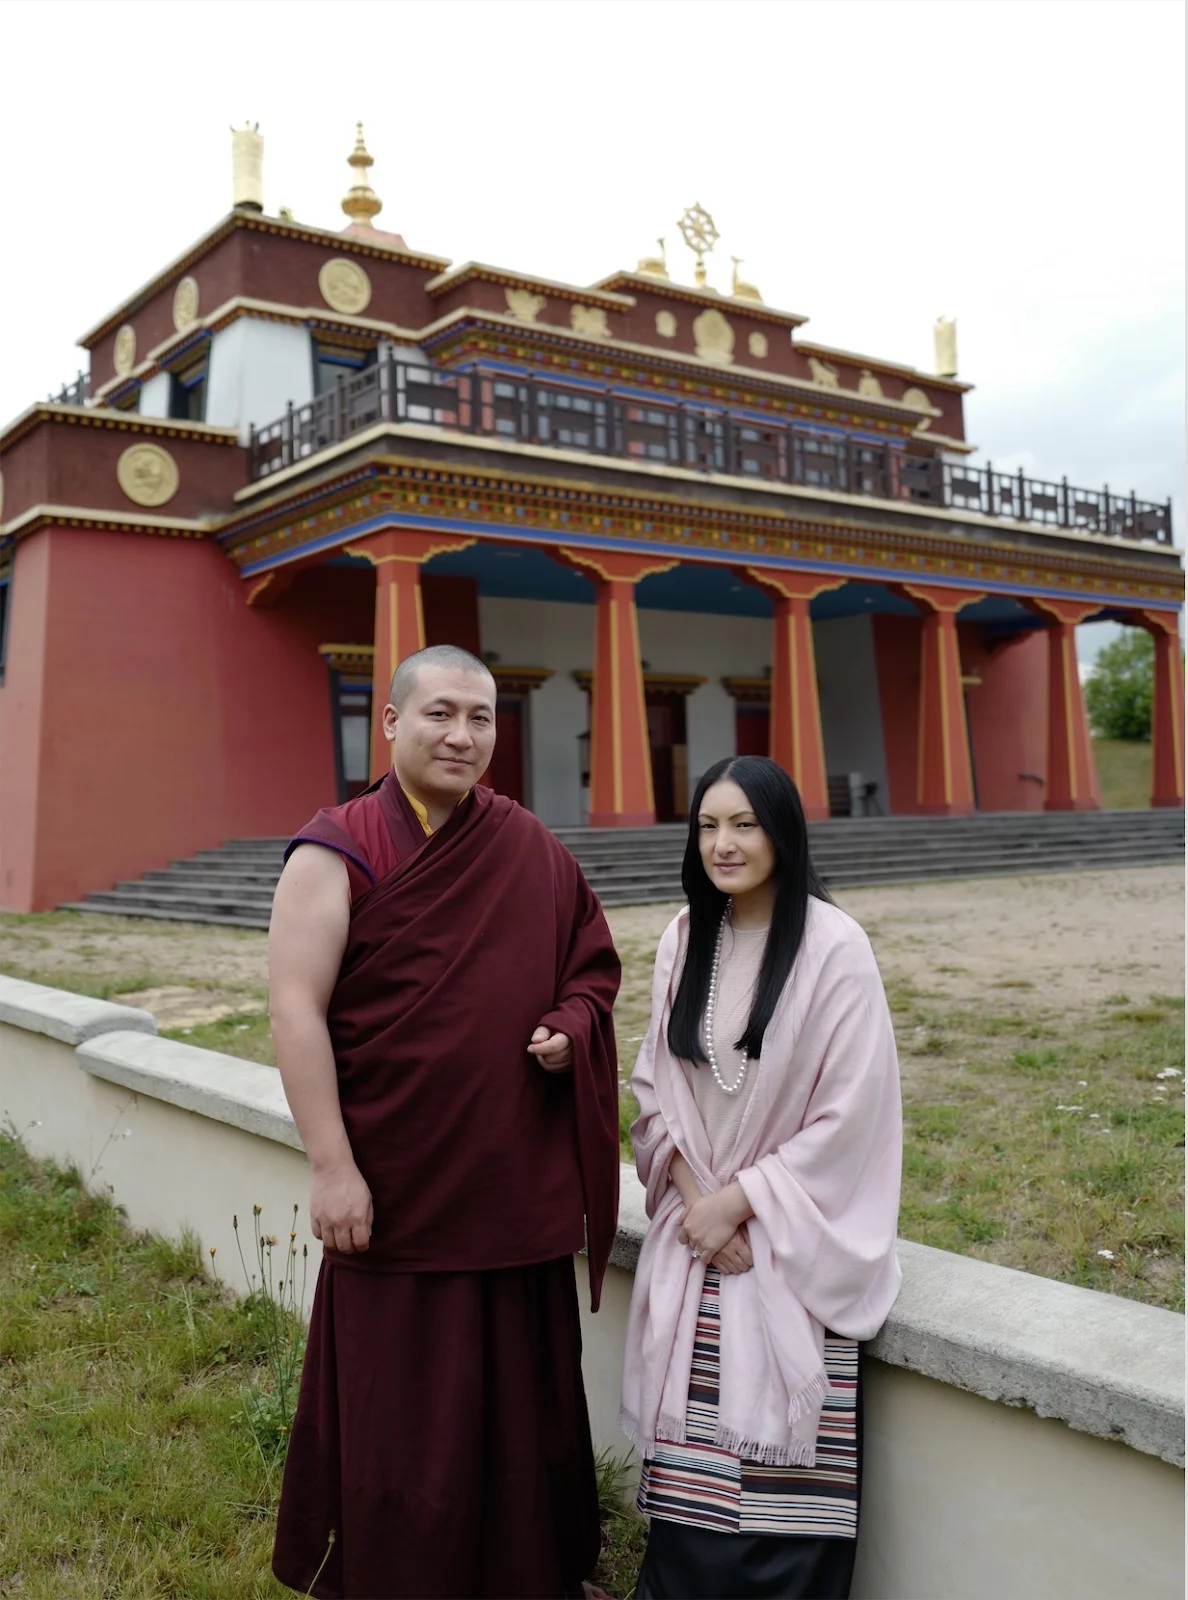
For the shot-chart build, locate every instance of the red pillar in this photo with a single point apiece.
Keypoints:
(796, 743)
(620, 759)
(396, 554)
(1071, 782)
(1167, 712)
(944, 779)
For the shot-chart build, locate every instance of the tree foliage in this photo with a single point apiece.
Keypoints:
(1118, 695)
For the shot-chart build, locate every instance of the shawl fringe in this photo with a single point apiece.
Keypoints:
(671, 1430)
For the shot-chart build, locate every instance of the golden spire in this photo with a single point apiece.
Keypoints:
(361, 203)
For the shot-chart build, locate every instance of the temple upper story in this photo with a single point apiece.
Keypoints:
(298, 339)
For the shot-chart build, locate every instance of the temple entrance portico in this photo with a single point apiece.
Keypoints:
(881, 698)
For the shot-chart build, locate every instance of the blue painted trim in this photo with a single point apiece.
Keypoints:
(502, 534)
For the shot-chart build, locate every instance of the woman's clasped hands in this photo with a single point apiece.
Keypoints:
(714, 1228)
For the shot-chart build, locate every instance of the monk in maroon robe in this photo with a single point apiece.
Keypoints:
(441, 982)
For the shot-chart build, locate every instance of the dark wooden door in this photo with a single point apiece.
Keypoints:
(506, 772)
(670, 755)
(752, 727)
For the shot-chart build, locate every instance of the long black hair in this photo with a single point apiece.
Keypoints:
(775, 801)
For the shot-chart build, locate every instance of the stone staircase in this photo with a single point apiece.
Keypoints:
(634, 866)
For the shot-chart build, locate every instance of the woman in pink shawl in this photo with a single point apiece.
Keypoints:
(769, 1142)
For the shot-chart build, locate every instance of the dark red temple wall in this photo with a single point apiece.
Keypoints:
(20, 723)
(172, 716)
(897, 660)
(1007, 718)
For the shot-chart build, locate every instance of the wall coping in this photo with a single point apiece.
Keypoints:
(72, 1018)
(225, 1089)
(1102, 1364)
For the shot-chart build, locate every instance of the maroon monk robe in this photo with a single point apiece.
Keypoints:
(441, 1430)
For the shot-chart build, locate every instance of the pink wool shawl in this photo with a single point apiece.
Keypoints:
(818, 1157)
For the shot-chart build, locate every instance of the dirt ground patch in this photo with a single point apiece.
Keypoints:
(1059, 941)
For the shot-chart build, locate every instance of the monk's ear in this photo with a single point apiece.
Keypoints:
(391, 718)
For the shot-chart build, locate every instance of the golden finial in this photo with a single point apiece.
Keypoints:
(247, 167)
(361, 203)
(699, 233)
(655, 266)
(945, 339)
(739, 289)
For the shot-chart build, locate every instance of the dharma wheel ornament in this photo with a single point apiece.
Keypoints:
(700, 234)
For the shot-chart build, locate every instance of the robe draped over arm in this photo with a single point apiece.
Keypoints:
(587, 982)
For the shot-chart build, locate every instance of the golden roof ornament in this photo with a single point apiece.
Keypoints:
(361, 203)
(655, 266)
(700, 234)
(945, 341)
(739, 289)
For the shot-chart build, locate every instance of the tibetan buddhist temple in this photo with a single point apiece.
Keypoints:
(674, 525)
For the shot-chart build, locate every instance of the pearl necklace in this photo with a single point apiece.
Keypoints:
(711, 1000)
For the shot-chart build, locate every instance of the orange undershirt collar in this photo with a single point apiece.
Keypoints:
(422, 814)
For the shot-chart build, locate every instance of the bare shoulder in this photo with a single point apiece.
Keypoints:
(313, 881)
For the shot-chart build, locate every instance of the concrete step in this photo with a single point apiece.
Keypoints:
(234, 885)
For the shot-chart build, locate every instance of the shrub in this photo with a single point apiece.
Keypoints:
(1118, 695)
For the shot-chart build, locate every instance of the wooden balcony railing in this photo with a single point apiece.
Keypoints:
(604, 422)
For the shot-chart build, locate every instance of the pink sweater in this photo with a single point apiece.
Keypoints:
(817, 1153)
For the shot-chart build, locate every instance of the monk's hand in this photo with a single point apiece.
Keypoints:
(340, 1212)
(554, 1051)
(735, 1255)
(711, 1222)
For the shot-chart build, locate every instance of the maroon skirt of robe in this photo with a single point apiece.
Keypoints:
(442, 1435)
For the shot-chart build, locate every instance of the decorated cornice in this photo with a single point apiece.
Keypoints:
(748, 691)
(656, 682)
(519, 680)
(470, 336)
(354, 660)
(515, 508)
(479, 272)
(114, 421)
(877, 364)
(641, 283)
(50, 516)
(341, 243)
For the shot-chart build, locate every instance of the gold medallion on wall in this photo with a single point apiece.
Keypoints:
(713, 338)
(757, 345)
(185, 304)
(147, 474)
(345, 286)
(666, 324)
(123, 355)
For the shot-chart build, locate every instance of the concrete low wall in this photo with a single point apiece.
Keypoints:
(1024, 1438)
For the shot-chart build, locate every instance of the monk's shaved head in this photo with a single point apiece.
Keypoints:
(450, 656)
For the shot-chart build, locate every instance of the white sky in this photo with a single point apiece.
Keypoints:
(1018, 164)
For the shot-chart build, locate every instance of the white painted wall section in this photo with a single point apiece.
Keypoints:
(558, 635)
(256, 369)
(851, 722)
(154, 396)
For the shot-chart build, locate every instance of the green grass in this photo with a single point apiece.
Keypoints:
(1124, 767)
(127, 1467)
(1039, 1145)
(245, 1033)
(127, 1462)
